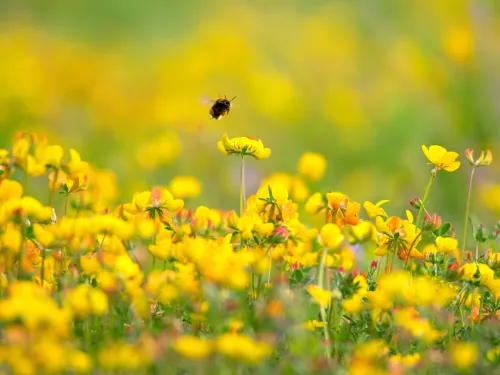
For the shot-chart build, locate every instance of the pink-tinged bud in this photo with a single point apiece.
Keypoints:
(156, 194)
(280, 234)
(482, 161)
(294, 266)
(354, 273)
(468, 257)
(340, 269)
(416, 203)
(432, 222)
(374, 264)
(453, 272)
(469, 155)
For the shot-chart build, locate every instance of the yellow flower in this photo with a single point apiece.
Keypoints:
(10, 189)
(185, 187)
(374, 210)
(242, 347)
(192, 347)
(315, 203)
(320, 296)
(442, 158)
(331, 235)
(311, 325)
(243, 146)
(470, 269)
(446, 244)
(139, 203)
(464, 354)
(312, 165)
(76, 166)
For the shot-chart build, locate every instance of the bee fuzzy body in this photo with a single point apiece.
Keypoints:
(220, 108)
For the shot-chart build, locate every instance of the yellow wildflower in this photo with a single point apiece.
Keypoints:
(441, 158)
(243, 146)
(192, 347)
(312, 165)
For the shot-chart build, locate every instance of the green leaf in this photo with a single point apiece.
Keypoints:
(444, 229)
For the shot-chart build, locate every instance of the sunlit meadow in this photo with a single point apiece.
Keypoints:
(342, 218)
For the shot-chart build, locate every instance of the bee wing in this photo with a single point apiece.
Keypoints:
(205, 99)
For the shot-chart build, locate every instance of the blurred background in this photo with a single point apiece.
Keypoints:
(365, 83)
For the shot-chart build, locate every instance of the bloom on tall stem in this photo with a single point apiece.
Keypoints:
(482, 161)
(243, 146)
(442, 159)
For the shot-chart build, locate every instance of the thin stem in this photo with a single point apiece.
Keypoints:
(270, 265)
(42, 271)
(466, 219)
(66, 204)
(52, 188)
(321, 308)
(242, 186)
(424, 200)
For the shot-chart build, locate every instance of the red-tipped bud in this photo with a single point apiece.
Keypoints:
(432, 222)
(374, 264)
(482, 161)
(280, 234)
(416, 203)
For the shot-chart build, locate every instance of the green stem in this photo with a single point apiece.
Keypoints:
(424, 200)
(466, 219)
(43, 264)
(242, 186)
(270, 265)
(51, 192)
(321, 308)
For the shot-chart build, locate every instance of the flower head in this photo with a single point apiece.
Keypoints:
(243, 146)
(312, 165)
(482, 161)
(441, 158)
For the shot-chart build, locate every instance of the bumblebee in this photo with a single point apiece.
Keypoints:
(221, 107)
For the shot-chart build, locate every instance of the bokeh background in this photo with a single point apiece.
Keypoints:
(365, 83)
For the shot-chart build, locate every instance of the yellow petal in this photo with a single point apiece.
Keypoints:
(452, 167)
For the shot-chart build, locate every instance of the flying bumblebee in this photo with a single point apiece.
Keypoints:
(220, 108)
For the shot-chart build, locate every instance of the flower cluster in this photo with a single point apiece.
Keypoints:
(91, 286)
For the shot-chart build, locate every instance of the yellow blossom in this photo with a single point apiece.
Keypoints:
(442, 158)
(463, 354)
(243, 146)
(320, 296)
(374, 210)
(192, 347)
(331, 236)
(312, 165)
(185, 187)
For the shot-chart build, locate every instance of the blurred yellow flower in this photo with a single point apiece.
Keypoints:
(463, 354)
(185, 187)
(331, 236)
(319, 295)
(312, 165)
(374, 210)
(459, 44)
(446, 244)
(442, 158)
(192, 347)
(243, 146)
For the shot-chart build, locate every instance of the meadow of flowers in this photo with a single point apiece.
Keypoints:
(153, 285)
(321, 227)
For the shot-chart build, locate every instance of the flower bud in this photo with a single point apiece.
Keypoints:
(482, 161)
(374, 264)
(468, 257)
(432, 222)
(493, 260)
(416, 203)
(453, 272)
(280, 234)
(480, 234)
